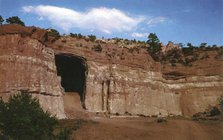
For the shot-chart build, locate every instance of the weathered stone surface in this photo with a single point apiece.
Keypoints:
(27, 64)
(119, 80)
(139, 86)
(170, 46)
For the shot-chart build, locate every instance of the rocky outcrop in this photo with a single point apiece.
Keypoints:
(126, 90)
(119, 80)
(169, 47)
(28, 65)
(128, 81)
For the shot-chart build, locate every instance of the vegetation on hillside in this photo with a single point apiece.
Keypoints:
(154, 46)
(97, 48)
(181, 54)
(22, 118)
(185, 54)
(54, 33)
(12, 20)
(1, 20)
(79, 36)
(92, 37)
(15, 20)
(154, 43)
(213, 113)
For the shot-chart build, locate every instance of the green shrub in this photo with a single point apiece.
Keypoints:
(154, 43)
(15, 20)
(203, 45)
(80, 36)
(22, 118)
(188, 61)
(92, 38)
(64, 134)
(154, 46)
(1, 20)
(215, 111)
(54, 33)
(188, 51)
(173, 54)
(97, 48)
(73, 35)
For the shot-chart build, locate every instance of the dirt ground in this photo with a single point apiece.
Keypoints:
(139, 128)
(145, 129)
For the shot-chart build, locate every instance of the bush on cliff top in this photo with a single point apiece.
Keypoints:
(22, 118)
(15, 20)
(54, 33)
(1, 20)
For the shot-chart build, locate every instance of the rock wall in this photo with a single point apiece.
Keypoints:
(126, 90)
(119, 80)
(137, 85)
(28, 65)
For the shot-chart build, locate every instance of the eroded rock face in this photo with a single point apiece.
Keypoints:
(122, 89)
(170, 46)
(119, 80)
(28, 65)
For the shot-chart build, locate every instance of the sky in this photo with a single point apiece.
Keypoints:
(180, 21)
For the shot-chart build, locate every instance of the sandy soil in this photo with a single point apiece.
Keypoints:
(142, 129)
(72, 106)
(139, 128)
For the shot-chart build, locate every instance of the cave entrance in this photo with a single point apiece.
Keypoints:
(72, 70)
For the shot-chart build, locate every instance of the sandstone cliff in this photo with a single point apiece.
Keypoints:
(117, 79)
(127, 81)
(26, 64)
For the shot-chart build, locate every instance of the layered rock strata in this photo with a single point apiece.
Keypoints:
(119, 80)
(128, 82)
(28, 65)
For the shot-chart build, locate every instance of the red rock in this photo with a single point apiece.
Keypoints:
(119, 80)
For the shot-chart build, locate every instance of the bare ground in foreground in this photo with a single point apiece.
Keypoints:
(119, 128)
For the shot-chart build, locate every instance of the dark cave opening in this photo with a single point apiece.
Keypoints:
(72, 70)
